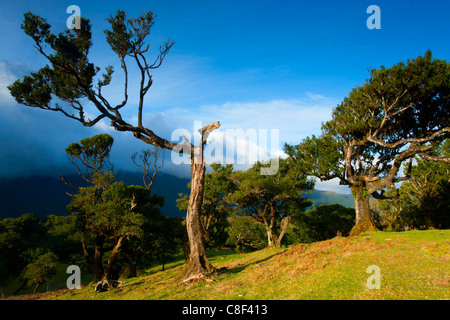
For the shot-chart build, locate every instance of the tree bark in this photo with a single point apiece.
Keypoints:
(197, 262)
(283, 226)
(36, 287)
(363, 216)
(270, 239)
(96, 265)
(112, 256)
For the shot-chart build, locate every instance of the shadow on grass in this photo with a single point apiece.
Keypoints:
(240, 268)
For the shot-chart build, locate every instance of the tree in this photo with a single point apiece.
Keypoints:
(111, 215)
(270, 199)
(422, 201)
(246, 234)
(22, 240)
(91, 159)
(400, 112)
(215, 209)
(90, 156)
(322, 222)
(41, 270)
(69, 82)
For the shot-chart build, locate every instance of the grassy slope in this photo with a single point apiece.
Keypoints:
(413, 264)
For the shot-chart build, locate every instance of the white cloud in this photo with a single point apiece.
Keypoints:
(293, 120)
(249, 131)
(244, 136)
(332, 185)
(7, 77)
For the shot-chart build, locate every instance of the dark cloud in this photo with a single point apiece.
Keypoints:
(32, 141)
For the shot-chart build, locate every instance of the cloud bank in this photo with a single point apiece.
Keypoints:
(33, 140)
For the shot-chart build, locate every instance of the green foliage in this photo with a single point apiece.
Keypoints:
(108, 211)
(123, 37)
(68, 81)
(270, 199)
(91, 155)
(319, 156)
(321, 223)
(413, 95)
(63, 238)
(245, 234)
(19, 239)
(422, 202)
(398, 113)
(42, 269)
(70, 56)
(162, 238)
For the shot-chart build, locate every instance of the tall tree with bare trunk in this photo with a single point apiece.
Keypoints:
(67, 85)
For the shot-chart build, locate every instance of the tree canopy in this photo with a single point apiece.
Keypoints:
(67, 85)
(398, 113)
(270, 199)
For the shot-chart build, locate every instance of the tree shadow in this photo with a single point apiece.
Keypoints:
(242, 267)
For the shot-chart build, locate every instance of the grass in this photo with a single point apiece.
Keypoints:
(413, 265)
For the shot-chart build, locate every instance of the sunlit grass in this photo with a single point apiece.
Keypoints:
(413, 265)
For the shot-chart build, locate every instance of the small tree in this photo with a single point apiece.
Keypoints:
(41, 270)
(322, 222)
(270, 199)
(90, 157)
(400, 112)
(111, 214)
(245, 234)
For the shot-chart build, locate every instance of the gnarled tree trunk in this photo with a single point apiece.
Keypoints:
(112, 256)
(96, 264)
(363, 217)
(197, 262)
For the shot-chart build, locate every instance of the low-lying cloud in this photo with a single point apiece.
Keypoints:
(33, 140)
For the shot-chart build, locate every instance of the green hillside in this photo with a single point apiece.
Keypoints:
(412, 264)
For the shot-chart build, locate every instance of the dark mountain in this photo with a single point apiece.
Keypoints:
(45, 195)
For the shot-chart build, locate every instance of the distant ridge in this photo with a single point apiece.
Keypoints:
(319, 197)
(43, 195)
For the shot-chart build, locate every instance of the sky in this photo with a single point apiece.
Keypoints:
(265, 66)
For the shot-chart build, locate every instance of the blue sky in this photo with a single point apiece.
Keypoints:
(262, 64)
